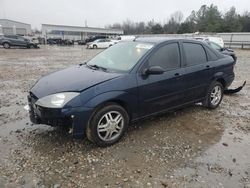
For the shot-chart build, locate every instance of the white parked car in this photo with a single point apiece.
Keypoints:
(101, 43)
(216, 40)
(127, 37)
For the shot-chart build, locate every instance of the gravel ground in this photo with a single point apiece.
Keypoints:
(193, 147)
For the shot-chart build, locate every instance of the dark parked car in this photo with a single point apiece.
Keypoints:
(53, 41)
(59, 41)
(14, 40)
(91, 39)
(81, 42)
(130, 81)
(225, 51)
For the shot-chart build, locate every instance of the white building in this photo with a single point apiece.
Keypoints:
(75, 32)
(11, 27)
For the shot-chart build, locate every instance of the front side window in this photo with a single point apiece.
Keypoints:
(195, 54)
(121, 57)
(167, 57)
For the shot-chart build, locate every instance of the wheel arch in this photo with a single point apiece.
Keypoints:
(222, 81)
(6, 42)
(124, 99)
(219, 77)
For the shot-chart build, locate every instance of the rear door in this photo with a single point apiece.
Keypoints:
(21, 41)
(164, 91)
(197, 70)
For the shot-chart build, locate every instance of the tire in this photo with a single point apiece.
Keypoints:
(95, 46)
(214, 95)
(107, 125)
(32, 46)
(6, 45)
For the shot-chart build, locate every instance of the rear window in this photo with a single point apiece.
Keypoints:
(211, 55)
(195, 54)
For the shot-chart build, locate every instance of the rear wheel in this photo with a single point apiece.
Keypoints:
(214, 95)
(107, 125)
(6, 45)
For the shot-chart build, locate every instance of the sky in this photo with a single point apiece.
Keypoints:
(99, 13)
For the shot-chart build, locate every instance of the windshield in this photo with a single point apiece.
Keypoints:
(121, 57)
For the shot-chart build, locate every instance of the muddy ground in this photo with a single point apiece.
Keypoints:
(193, 147)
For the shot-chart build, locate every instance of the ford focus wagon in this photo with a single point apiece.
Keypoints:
(127, 82)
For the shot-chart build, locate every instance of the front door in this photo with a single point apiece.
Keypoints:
(160, 92)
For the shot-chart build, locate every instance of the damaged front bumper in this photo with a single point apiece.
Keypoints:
(75, 118)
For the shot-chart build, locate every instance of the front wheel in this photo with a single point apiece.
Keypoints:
(6, 45)
(31, 46)
(107, 125)
(214, 95)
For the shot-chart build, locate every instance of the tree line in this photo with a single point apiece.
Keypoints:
(206, 19)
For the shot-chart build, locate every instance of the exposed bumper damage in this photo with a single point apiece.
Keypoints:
(232, 91)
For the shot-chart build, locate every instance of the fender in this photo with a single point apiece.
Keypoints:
(123, 97)
(218, 75)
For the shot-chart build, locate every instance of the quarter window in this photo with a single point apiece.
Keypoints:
(195, 54)
(167, 57)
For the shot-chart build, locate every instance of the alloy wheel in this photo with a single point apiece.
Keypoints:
(110, 126)
(216, 95)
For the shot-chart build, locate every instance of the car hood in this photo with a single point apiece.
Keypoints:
(77, 78)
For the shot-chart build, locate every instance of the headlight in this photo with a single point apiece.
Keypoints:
(56, 100)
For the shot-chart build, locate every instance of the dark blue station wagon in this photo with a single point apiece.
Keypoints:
(130, 81)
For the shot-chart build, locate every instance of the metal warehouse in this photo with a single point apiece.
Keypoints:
(75, 32)
(10, 27)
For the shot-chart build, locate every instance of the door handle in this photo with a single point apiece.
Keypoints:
(207, 66)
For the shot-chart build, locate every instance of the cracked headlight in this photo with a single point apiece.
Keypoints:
(56, 100)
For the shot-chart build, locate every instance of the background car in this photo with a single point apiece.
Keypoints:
(81, 42)
(14, 40)
(216, 40)
(223, 50)
(93, 38)
(101, 43)
(53, 41)
(126, 38)
(35, 40)
(59, 41)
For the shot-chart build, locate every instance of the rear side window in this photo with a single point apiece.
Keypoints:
(167, 57)
(211, 55)
(195, 54)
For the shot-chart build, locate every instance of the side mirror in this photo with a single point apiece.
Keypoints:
(153, 70)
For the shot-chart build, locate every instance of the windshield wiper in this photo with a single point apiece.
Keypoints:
(96, 67)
